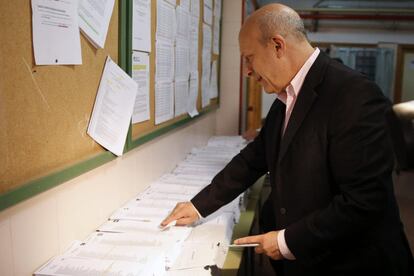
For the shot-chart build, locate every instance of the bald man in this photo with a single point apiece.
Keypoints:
(332, 209)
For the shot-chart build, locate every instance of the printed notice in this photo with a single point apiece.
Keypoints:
(56, 38)
(140, 74)
(113, 108)
(94, 18)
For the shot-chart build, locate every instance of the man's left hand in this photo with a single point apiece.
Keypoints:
(267, 244)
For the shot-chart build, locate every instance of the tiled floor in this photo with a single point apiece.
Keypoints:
(404, 191)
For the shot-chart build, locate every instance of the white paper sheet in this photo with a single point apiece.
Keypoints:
(216, 36)
(195, 8)
(208, 11)
(113, 108)
(56, 38)
(185, 4)
(196, 254)
(164, 102)
(182, 60)
(94, 18)
(205, 79)
(183, 23)
(74, 266)
(213, 81)
(206, 37)
(193, 95)
(166, 22)
(140, 74)
(194, 44)
(141, 25)
(181, 96)
(164, 60)
(217, 8)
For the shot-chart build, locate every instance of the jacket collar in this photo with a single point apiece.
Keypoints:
(304, 102)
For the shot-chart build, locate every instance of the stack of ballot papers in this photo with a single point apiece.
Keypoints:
(131, 241)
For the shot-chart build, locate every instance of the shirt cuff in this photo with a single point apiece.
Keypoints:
(198, 213)
(284, 249)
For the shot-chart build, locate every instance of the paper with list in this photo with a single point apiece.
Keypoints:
(194, 44)
(182, 60)
(208, 11)
(195, 8)
(141, 25)
(165, 20)
(140, 74)
(213, 81)
(164, 60)
(94, 18)
(113, 108)
(56, 38)
(193, 95)
(216, 36)
(180, 97)
(164, 102)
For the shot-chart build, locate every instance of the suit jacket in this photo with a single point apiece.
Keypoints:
(331, 177)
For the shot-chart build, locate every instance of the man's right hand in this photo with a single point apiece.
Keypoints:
(184, 213)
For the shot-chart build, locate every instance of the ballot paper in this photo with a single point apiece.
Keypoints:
(141, 25)
(75, 266)
(132, 242)
(56, 38)
(196, 254)
(141, 75)
(113, 108)
(94, 18)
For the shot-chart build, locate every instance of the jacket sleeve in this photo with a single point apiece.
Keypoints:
(361, 161)
(239, 174)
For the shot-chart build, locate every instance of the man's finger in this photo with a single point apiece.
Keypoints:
(250, 239)
(184, 221)
(258, 250)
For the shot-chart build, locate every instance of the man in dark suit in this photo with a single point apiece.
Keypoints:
(332, 209)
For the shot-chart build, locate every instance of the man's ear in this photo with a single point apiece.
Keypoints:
(279, 44)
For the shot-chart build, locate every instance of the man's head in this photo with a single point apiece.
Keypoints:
(274, 46)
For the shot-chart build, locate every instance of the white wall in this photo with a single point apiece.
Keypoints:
(228, 114)
(33, 231)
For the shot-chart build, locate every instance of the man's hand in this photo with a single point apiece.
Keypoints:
(184, 213)
(267, 244)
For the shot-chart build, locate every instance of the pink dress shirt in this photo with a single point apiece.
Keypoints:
(288, 97)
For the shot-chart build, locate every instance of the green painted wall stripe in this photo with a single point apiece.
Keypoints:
(37, 186)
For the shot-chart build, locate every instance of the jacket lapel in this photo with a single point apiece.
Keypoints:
(304, 102)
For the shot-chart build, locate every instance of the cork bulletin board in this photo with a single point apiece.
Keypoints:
(144, 131)
(45, 110)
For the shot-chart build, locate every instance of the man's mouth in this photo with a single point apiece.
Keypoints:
(258, 79)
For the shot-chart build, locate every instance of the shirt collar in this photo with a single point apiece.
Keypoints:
(293, 89)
